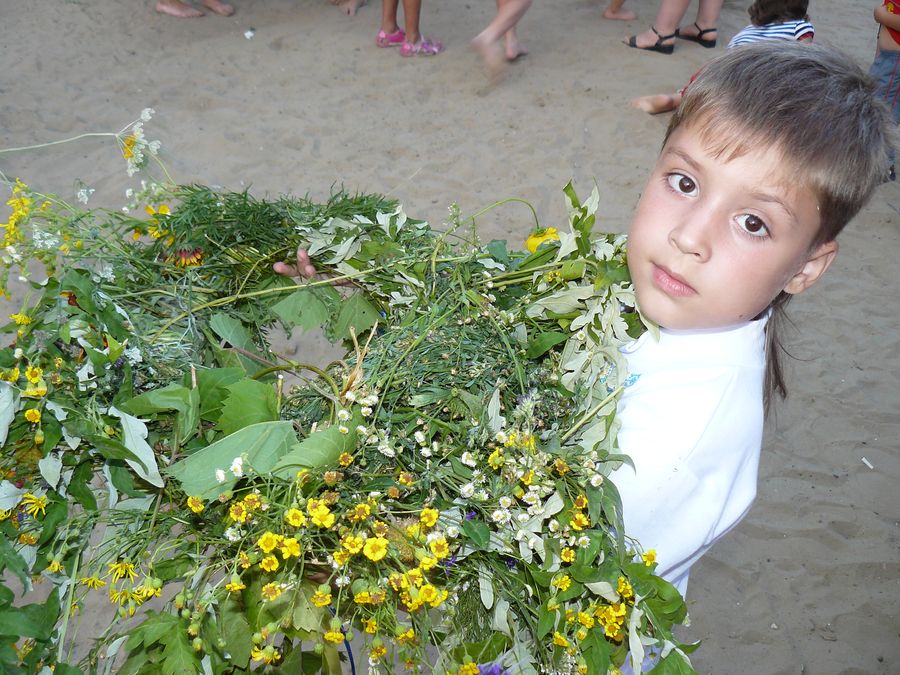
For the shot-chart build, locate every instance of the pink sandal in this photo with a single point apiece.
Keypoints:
(423, 47)
(390, 39)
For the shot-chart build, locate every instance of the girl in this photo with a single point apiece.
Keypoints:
(410, 41)
(771, 20)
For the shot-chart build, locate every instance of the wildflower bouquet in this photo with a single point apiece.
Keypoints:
(439, 495)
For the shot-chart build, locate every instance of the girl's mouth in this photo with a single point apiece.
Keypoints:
(671, 284)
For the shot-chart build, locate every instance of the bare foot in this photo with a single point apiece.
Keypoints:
(349, 7)
(492, 55)
(177, 8)
(219, 7)
(513, 48)
(619, 15)
(657, 103)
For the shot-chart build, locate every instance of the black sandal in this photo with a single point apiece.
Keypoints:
(698, 38)
(658, 46)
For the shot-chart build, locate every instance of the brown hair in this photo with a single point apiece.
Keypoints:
(819, 109)
(763, 12)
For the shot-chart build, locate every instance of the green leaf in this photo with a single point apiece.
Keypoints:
(477, 532)
(112, 449)
(37, 620)
(57, 511)
(544, 342)
(232, 331)
(248, 402)
(179, 656)
(261, 444)
(236, 632)
(171, 397)
(156, 626)
(356, 313)
(307, 308)
(673, 664)
(172, 568)
(212, 383)
(12, 561)
(318, 449)
(134, 435)
(307, 616)
(546, 621)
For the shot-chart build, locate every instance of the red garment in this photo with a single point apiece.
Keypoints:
(892, 7)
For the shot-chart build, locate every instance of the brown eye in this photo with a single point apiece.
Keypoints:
(682, 184)
(753, 225)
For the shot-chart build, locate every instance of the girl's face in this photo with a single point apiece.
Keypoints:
(714, 241)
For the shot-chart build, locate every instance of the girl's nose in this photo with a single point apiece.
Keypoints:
(693, 236)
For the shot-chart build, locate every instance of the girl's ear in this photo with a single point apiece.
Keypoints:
(814, 267)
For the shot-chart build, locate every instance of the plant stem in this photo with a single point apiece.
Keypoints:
(590, 413)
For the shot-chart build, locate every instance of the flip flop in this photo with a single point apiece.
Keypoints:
(698, 38)
(658, 46)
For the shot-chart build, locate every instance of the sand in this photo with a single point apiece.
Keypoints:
(808, 583)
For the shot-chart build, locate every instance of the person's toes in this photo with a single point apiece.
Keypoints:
(177, 9)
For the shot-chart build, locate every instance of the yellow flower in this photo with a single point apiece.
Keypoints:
(346, 459)
(195, 504)
(563, 582)
(121, 569)
(427, 563)
(55, 566)
(585, 619)
(538, 237)
(334, 637)
(440, 548)
(244, 560)
(375, 548)
(363, 598)
(35, 391)
(567, 555)
(238, 513)
(624, 589)
(406, 478)
(429, 517)
(128, 146)
(4, 514)
(34, 504)
(92, 582)
(295, 517)
(119, 596)
(428, 593)
(33, 374)
(162, 209)
(561, 467)
(28, 538)
(321, 598)
(185, 257)
(370, 626)
(267, 654)
(10, 375)
(252, 501)
(290, 547)
(341, 558)
(469, 669)
(235, 585)
(496, 459)
(581, 502)
(20, 319)
(359, 513)
(377, 652)
(405, 636)
(269, 563)
(528, 477)
(649, 557)
(559, 639)
(352, 543)
(579, 521)
(272, 591)
(323, 518)
(268, 541)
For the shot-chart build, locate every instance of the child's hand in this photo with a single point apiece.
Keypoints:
(304, 267)
(886, 18)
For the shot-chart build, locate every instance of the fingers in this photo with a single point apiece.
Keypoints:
(304, 267)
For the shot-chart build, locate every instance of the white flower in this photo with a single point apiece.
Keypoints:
(370, 400)
(482, 495)
(18, 353)
(500, 515)
(220, 475)
(342, 581)
(387, 451)
(477, 474)
(237, 467)
(467, 490)
(522, 517)
(505, 502)
(343, 429)
(343, 415)
(468, 459)
(233, 534)
(133, 354)
(420, 438)
(146, 114)
(501, 437)
(350, 396)
(531, 498)
(84, 194)
(453, 531)
(584, 541)
(366, 411)
(554, 525)
(362, 430)
(425, 451)
(536, 510)
(597, 480)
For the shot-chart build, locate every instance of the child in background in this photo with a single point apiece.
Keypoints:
(775, 147)
(771, 20)
(487, 43)
(886, 66)
(615, 12)
(410, 41)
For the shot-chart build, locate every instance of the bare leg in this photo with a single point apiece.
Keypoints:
(177, 8)
(349, 7)
(707, 17)
(219, 7)
(669, 16)
(411, 10)
(657, 103)
(487, 42)
(615, 12)
(389, 16)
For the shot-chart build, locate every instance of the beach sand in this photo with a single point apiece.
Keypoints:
(808, 582)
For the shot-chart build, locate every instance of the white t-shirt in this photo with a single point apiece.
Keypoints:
(692, 423)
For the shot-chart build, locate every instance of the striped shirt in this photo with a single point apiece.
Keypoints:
(796, 29)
